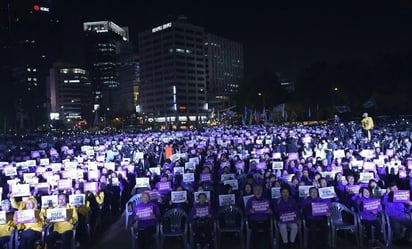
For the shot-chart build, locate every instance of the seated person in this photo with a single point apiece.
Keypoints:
(145, 215)
(317, 225)
(368, 218)
(30, 231)
(398, 213)
(287, 205)
(202, 218)
(258, 212)
(8, 227)
(62, 229)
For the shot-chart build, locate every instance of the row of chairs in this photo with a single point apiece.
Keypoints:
(230, 219)
(14, 241)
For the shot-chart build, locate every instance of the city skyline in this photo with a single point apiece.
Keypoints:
(285, 37)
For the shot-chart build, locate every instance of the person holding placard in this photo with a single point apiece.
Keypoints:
(62, 229)
(30, 230)
(316, 220)
(368, 209)
(399, 214)
(145, 215)
(287, 214)
(6, 225)
(258, 211)
(202, 217)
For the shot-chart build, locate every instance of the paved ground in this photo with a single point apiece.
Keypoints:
(117, 237)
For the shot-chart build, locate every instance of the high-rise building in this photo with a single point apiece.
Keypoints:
(101, 61)
(224, 60)
(129, 78)
(173, 71)
(29, 40)
(69, 90)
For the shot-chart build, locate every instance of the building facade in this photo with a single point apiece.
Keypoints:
(224, 64)
(69, 90)
(173, 72)
(101, 49)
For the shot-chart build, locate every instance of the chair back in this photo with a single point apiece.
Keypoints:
(133, 201)
(175, 220)
(230, 217)
(336, 210)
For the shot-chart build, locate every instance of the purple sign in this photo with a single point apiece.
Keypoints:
(261, 166)
(164, 186)
(260, 207)
(320, 208)
(401, 196)
(202, 211)
(372, 205)
(24, 216)
(144, 213)
(206, 177)
(287, 217)
(352, 188)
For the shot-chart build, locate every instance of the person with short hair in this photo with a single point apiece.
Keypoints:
(202, 217)
(367, 125)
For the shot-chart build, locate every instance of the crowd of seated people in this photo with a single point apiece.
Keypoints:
(273, 173)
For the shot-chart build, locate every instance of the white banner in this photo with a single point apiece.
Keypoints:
(56, 214)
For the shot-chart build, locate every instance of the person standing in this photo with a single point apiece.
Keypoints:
(367, 125)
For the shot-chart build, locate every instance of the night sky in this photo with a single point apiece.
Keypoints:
(282, 37)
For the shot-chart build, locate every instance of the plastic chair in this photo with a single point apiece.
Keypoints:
(16, 238)
(230, 219)
(60, 241)
(305, 232)
(249, 232)
(389, 230)
(135, 236)
(383, 219)
(192, 235)
(133, 201)
(174, 223)
(338, 224)
(277, 232)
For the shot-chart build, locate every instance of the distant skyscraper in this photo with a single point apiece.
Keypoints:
(29, 38)
(101, 60)
(68, 89)
(129, 78)
(173, 71)
(224, 60)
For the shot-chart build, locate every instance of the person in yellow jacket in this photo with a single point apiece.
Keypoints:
(30, 231)
(8, 226)
(63, 229)
(367, 125)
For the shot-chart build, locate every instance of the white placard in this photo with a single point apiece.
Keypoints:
(155, 170)
(225, 177)
(48, 201)
(28, 177)
(188, 177)
(77, 200)
(190, 165)
(327, 192)
(275, 192)
(19, 190)
(10, 171)
(339, 154)
(72, 165)
(92, 166)
(56, 214)
(196, 196)
(3, 217)
(31, 163)
(44, 161)
(367, 154)
(194, 160)
(246, 199)
(179, 170)
(277, 165)
(110, 166)
(178, 196)
(225, 200)
(304, 190)
(364, 177)
(142, 182)
(22, 165)
(233, 183)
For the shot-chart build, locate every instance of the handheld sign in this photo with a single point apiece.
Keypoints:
(327, 192)
(275, 192)
(226, 200)
(260, 207)
(202, 211)
(3, 217)
(64, 184)
(372, 205)
(56, 214)
(20, 190)
(277, 165)
(401, 196)
(365, 177)
(48, 201)
(320, 208)
(233, 183)
(304, 190)
(90, 186)
(24, 216)
(178, 196)
(287, 217)
(188, 177)
(77, 200)
(142, 182)
(196, 196)
(354, 189)
(144, 213)
(246, 198)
